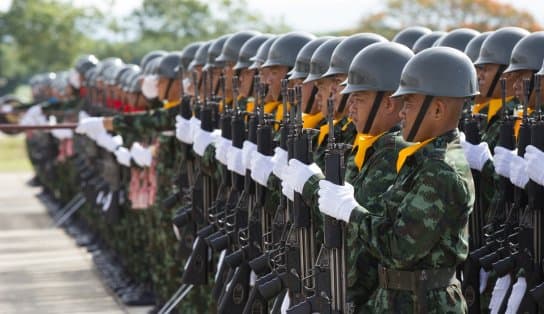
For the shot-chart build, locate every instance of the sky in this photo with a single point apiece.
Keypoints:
(305, 15)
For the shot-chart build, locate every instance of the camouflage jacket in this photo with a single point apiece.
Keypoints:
(424, 224)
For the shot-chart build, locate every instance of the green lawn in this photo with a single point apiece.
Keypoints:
(13, 155)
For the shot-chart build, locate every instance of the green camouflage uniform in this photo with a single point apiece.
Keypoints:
(424, 224)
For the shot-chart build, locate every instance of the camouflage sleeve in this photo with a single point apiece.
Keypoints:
(164, 119)
(406, 234)
(309, 192)
(489, 185)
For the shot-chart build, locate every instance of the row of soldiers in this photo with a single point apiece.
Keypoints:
(306, 174)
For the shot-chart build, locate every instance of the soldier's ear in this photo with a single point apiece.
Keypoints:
(438, 109)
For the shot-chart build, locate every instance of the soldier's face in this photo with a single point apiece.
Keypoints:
(327, 86)
(246, 79)
(359, 105)
(517, 78)
(228, 72)
(486, 74)
(171, 92)
(411, 104)
(273, 78)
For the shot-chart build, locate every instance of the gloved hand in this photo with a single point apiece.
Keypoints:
(535, 164)
(62, 133)
(337, 201)
(108, 142)
(287, 190)
(499, 292)
(248, 150)
(91, 127)
(483, 280)
(299, 173)
(279, 161)
(502, 160)
(183, 130)
(142, 156)
(518, 172)
(195, 126)
(150, 86)
(202, 140)
(222, 146)
(261, 167)
(518, 291)
(477, 155)
(122, 154)
(234, 161)
(82, 115)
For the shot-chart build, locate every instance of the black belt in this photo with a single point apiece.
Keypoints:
(417, 282)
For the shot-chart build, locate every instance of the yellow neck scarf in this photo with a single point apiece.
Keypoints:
(409, 151)
(363, 142)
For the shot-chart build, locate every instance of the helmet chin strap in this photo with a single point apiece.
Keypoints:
(373, 112)
(167, 91)
(421, 114)
(343, 103)
(496, 79)
(311, 100)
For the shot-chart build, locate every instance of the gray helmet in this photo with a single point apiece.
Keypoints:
(133, 82)
(457, 38)
(302, 63)
(321, 59)
(214, 51)
(283, 51)
(259, 58)
(111, 72)
(188, 54)
(121, 72)
(85, 62)
(472, 50)
(410, 35)
(249, 49)
(377, 67)
(347, 49)
(169, 65)
(439, 71)
(126, 77)
(528, 53)
(150, 56)
(104, 65)
(200, 56)
(232, 46)
(497, 47)
(152, 67)
(427, 41)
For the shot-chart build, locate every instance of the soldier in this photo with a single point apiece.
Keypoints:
(409, 35)
(472, 50)
(457, 38)
(421, 237)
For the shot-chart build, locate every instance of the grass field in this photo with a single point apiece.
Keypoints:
(13, 157)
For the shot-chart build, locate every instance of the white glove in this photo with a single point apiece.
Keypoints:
(202, 140)
(195, 126)
(91, 127)
(62, 133)
(183, 130)
(287, 190)
(518, 172)
(248, 150)
(234, 161)
(483, 280)
(280, 162)
(122, 155)
(82, 115)
(222, 146)
(261, 168)
(477, 155)
(150, 86)
(299, 173)
(499, 292)
(502, 160)
(337, 201)
(106, 201)
(34, 111)
(535, 164)
(518, 291)
(142, 156)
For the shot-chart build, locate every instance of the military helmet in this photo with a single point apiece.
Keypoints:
(321, 59)
(85, 62)
(427, 41)
(347, 49)
(249, 49)
(188, 54)
(497, 47)
(152, 67)
(457, 38)
(150, 56)
(90, 77)
(134, 82)
(214, 51)
(283, 51)
(302, 63)
(125, 78)
(232, 46)
(439, 71)
(120, 72)
(259, 58)
(410, 35)
(200, 56)
(169, 65)
(105, 64)
(111, 72)
(472, 50)
(377, 67)
(528, 53)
